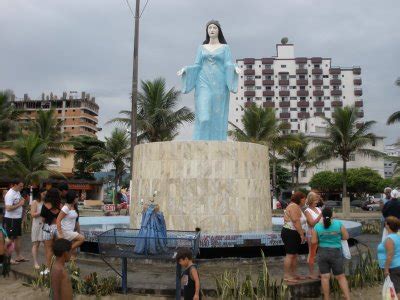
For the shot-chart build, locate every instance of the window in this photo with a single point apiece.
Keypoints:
(304, 173)
(268, 77)
(249, 78)
(293, 109)
(303, 109)
(237, 109)
(302, 66)
(284, 98)
(338, 170)
(335, 76)
(293, 98)
(343, 86)
(318, 109)
(285, 109)
(352, 157)
(269, 88)
(302, 87)
(326, 98)
(326, 87)
(236, 98)
(250, 88)
(319, 98)
(373, 143)
(237, 120)
(293, 87)
(293, 120)
(327, 108)
(258, 98)
(292, 76)
(284, 76)
(302, 76)
(283, 66)
(336, 87)
(294, 131)
(258, 87)
(284, 88)
(249, 67)
(302, 98)
(268, 98)
(317, 77)
(268, 66)
(326, 76)
(316, 66)
(258, 77)
(318, 88)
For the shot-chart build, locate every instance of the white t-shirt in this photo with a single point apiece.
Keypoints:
(11, 198)
(69, 221)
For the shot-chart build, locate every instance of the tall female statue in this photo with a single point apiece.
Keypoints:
(213, 76)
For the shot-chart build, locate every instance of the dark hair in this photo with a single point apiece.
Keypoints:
(53, 197)
(61, 246)
(25, 192)
(184, 253)
(17, 181)
(70, 197)
(296, 197)
(393, 223)
(63, 186)
(221, 37)
(327, 217)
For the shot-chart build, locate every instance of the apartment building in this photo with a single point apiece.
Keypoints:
(390, 165)
(296, 87)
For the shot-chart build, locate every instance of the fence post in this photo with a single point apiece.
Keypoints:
(178, 282)
(124, 275)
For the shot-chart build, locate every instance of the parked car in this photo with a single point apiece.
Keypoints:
(357, 203)
(333, 203)
(371, 205)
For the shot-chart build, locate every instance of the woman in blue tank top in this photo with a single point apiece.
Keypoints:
(389, 252)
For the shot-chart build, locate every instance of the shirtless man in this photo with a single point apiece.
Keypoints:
(61, 288)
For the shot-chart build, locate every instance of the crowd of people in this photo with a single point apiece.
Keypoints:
(54, 216)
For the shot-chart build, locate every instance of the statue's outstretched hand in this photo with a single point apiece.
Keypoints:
(180, 72)
(238, 70)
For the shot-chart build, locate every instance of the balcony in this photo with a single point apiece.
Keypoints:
(359, 125)
(335, 71)
(319, 103)
(284, 93)
(316, 60)
(249, 72)
(302, 82)
(337, 103)
(248, 103)
(336, 82)
(284, 82)
(318, 93)
(358, 92)
(268, 104)
(284, 115)
(317, 82)
(316, 71)
(284, 104)
(356, 70)
(303, 115)
(267, 61)
(303, 103)
(267, 72)
(249, 82)
(301, 71)
(319, 114)
(359, 103)
(249, 93)
(302, 93)
(357, 81)
(249, 61)
(336, 92)
(301, 60)
(268, 93)
(360, 114)
(268, 82)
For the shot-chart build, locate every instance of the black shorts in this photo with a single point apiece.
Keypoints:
(13, 227)
(394, 274)
(292, 240)
(330, 259)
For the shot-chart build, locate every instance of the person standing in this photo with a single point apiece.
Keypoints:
(67, 221)
(389, 252)
(63, 188)
(13, 217)
(60, 283)
(50, 210)
(190, 276)
(293, 235)
(391, 208)
(314, 216)
(37, 226)
(328, 236)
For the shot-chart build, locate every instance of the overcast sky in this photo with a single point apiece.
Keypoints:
(87, 45)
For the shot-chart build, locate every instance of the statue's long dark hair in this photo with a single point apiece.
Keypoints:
(221, 37)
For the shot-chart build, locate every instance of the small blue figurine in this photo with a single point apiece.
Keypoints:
(213, 76)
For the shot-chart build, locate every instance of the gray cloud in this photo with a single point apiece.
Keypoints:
(87, 45)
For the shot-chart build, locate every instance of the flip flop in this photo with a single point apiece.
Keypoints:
(298, 277)
(291, 280)
(13, 262)
(21, 260)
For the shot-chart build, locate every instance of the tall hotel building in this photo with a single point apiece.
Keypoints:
(297, 87)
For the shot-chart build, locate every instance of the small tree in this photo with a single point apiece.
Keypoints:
(364, 181)
(282, 177)
(326, 181)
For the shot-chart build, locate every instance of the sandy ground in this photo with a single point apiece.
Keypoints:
(14, 289)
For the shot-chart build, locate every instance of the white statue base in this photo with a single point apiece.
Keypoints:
(220, 187)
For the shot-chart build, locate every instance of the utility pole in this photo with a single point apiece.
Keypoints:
(134, 85)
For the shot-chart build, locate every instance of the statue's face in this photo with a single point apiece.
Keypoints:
(212, 30)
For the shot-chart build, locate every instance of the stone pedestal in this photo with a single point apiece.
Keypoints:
(221, 187)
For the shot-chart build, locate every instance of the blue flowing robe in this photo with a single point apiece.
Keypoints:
(212, 76)
(152, 235)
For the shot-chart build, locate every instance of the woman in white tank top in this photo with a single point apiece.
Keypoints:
(313, 215)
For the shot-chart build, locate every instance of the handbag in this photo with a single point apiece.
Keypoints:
(346, 249)
(388, 291)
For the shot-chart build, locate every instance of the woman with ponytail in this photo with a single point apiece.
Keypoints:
(328, 236)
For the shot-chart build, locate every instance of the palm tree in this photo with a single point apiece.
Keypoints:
(157, 120)
(116, 152)
(8, 117)
(297, 156)
(395, 117)
(85, 147)
(48, 128)
(261, 126)
(345, 137)
(30, 160)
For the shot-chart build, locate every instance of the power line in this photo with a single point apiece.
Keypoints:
(131, 10)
